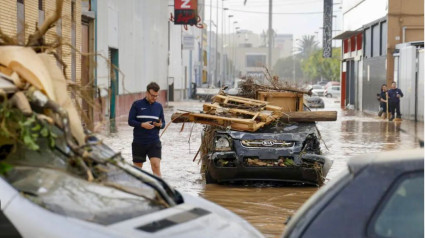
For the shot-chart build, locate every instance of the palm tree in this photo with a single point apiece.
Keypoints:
(307, 45)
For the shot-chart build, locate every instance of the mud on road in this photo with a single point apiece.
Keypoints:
(266, 207)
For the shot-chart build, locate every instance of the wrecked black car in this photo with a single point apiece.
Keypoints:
(288, 153)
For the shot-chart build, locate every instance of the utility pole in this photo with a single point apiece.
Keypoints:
(209, 48)
(270, 34)
(222, 66)
(216, 49)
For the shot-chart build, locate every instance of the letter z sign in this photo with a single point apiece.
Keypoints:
(185, 12)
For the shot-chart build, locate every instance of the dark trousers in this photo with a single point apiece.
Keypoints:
(394, 107)
(384, 106)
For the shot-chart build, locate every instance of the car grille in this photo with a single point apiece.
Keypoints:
(256, 162)
(267, 143)
(318, 101)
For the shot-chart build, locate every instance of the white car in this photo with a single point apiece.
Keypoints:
(318, 90)
(40, 199)
(236, 88)
(65, 190)
(333, 91)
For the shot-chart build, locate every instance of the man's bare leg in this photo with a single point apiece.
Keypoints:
(156, 166)
(140, 165)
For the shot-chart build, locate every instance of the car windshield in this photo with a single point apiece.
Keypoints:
(317, 87)
(50, 178)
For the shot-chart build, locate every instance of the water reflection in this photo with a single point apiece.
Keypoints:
(267, 208)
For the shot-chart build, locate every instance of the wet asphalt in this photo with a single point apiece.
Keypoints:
(268, 207)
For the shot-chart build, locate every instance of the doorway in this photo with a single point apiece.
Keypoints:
(113, 87)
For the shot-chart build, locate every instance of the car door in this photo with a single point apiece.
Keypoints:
(349, 213)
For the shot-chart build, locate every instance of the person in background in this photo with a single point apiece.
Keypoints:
(147, 117)
(382, 98)
(394, 95)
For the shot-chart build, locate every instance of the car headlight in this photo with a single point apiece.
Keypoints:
(222, 143)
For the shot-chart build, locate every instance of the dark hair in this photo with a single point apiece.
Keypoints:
(154, 86)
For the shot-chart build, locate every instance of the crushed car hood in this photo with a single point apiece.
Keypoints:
(293, 132)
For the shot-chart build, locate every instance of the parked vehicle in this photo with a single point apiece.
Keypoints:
(314, 102)
(318, 90)
(65, 190)
(333, 91)
(289, 153)
(378, 195)
(332, 83)
(281, 152)
(235, 89)
(206, 93)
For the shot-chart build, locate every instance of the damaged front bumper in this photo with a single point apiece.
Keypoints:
(302, 168)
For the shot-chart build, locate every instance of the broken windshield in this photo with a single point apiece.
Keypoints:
(52, 178)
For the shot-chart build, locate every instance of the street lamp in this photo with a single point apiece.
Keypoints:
(228, 53)
(223, 68)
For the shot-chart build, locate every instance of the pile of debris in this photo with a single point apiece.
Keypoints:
(246, 114)
(249, 88)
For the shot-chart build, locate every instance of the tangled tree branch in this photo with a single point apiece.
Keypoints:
(37, 39)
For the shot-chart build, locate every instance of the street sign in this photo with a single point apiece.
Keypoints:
(327, 28)
(185, 12)
(188, 42)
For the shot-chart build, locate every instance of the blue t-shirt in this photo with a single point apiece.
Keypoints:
(142, 111)
(392, 95)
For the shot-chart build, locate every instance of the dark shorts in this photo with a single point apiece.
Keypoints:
(141, 150)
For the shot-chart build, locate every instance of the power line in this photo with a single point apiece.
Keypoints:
(274, 13)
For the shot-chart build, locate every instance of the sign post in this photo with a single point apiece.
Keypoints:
(185, 12)
(327, 28)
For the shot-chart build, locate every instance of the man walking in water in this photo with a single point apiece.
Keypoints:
(147, 117)
(394, 95)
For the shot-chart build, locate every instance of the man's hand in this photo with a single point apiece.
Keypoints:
(147, 125)
(158, 124)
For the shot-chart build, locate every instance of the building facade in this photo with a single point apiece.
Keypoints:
(19, 18)
(371, 31)
(187, 51)
(133, 37)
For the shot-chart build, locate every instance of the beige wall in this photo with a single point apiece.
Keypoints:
(8, 24)
(8, 19)
(408, 14)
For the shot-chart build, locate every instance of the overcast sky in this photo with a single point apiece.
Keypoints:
(297, 17)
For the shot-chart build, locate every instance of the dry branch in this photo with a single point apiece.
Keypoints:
(36, 39)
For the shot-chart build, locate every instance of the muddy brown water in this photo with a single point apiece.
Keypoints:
(266, 207)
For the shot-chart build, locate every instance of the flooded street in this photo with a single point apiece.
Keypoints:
(267, 208)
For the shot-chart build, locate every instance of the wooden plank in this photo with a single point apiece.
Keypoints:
(241, 100)
(309, 116)
(185, 117)
(253, 114)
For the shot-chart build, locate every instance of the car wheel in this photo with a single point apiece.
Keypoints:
(208, 178)
(328, 95)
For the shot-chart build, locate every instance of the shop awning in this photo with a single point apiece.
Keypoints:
(346, 34)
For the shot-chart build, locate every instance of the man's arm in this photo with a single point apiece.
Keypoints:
(161, 116)
(132, 117)
(400, 92)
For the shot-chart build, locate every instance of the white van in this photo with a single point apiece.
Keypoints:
(333, 91)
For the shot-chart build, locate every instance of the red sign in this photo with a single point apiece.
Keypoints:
(185, 12)
(185, 4)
